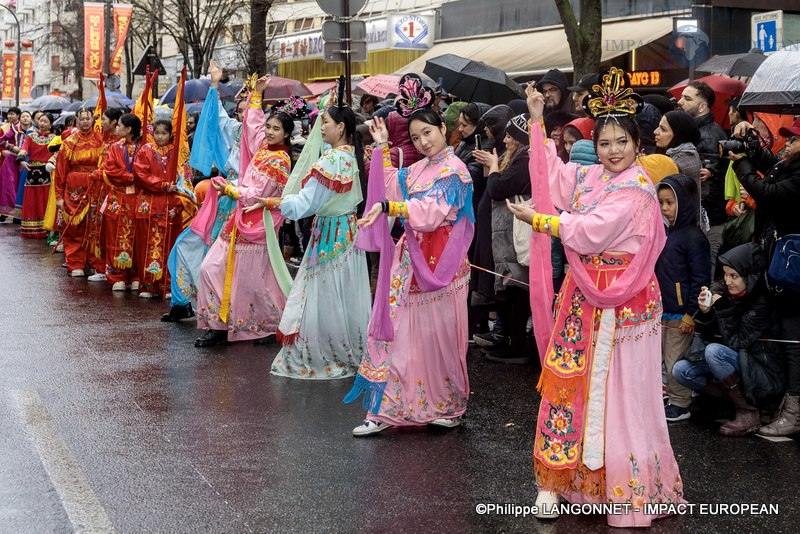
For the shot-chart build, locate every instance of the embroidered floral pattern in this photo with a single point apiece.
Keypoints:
(646, 487)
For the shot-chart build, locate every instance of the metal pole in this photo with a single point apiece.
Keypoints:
(107, 38)
(19, 50)
(347, 66)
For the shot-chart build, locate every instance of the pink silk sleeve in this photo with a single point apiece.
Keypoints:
(611, 226)
(561, 176)
(254, 127)
(390, 175)
(426, 215)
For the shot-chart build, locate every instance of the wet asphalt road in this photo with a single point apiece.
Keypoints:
(110, 419)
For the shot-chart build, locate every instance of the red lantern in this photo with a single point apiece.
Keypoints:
(10, 44)
(26, 44)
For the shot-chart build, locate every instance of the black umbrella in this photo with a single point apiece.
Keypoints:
(473, 81)
(775, 87)
(733, 64)
(46, 103)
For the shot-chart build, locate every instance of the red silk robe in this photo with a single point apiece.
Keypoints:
(119, 230)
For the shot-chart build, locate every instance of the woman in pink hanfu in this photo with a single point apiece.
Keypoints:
(415, 372)
(601, 436)
(239, 297)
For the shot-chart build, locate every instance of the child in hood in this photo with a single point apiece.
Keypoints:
(682, 269)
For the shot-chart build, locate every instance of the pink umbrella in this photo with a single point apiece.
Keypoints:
(380, 85)
(280, 88)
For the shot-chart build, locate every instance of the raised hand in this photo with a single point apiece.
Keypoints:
(215, 73)
(262, 83)
(535, 102)
(378, 130)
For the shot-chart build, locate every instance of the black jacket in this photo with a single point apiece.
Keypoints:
(713, 189)
(777, 196)
(684, 265)
(742, 321)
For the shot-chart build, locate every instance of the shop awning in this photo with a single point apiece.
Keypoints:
(532, 53)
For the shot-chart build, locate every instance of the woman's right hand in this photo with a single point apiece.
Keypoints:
(215, 73)
(703, 297)
(378, 130)
(535, 102)
(218, 184)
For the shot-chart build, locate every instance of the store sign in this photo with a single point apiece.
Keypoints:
(414, 32)
(641, 78)
(311, 45)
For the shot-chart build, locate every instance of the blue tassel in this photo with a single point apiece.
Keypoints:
(373, 393)
(451, 189)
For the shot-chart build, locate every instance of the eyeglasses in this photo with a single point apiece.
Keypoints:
(792, 139)
(551, 91)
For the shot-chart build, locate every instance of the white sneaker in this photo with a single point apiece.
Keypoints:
(135, 286)
(118, 286)
(97, 277)
(370, 427)
(168, 296)
(147, 295)
(60, 247)
(546, 504)
(447, 423)
(77, 273)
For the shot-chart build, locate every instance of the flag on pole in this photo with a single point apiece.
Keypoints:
(179, 163)
(102, 104)
(144, 106)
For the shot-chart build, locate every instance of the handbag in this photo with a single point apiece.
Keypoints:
(522, 234)
(739, 230)
(784, 267)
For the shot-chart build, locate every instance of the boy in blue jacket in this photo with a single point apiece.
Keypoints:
(682, 269)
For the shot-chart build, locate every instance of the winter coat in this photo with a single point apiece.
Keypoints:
(741, 322)
(464, 152)
(401, 140)
(777, 196)
(559, 79)
(713, 189)
(684, 265)
(514, 180)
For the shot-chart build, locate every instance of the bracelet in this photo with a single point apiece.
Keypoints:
(273, 203)
(255, 101)
(231, 191)
(546, 224)
(384, 206)
(397, 209)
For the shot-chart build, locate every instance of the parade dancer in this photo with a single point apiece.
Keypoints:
(239, 297)
(601, 436)
(415, 369)
(35, 156)
(10, 143)
(216, 144)
(324, 324)
(75, 162)
(119, 207)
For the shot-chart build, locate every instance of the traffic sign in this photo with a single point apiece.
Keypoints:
(767, 30)
(336, 8)
(333, 31)
(335, 52)
(149, 57)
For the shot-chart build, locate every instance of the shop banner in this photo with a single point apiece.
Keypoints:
(9, 74)
(122, 20)
(94, 39)
(26, 75)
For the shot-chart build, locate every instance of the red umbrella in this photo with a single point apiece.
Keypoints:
(280, 88)
(724, 87)
(380, 85)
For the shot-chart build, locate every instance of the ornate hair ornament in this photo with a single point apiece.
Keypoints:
(612, 96)
(340, 103)
(294, 106)
(250, 83)
(413, 95)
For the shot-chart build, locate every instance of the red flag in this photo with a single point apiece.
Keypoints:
(122, 19)
(94, 31)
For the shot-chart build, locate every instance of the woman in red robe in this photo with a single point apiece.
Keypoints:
(157, 211)
(119, 230)
(75, 162)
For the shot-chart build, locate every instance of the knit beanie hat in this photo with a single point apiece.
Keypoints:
(583, 153)
(518, 129)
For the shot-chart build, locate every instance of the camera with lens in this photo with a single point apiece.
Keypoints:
(749, 145)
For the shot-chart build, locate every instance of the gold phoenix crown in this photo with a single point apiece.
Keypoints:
(612, 97)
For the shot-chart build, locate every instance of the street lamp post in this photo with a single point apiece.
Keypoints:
(19, 49)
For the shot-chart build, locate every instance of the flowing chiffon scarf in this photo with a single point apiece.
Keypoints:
(377, 238)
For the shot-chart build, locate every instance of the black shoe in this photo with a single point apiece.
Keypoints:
(490, 340)
(508, 355)
(17, 221)
(176, 313)
(211, 338)
(269, 340)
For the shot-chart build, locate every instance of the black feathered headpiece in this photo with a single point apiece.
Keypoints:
(413, 95)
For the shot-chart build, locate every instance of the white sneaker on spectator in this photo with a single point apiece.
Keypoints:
(97, 277)
(118, 286)
(77, 273)
(135, 285)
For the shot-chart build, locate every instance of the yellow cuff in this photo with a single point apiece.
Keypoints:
(273, 203)
(387, 157)
(688, 319)
(398, 209)
(255, 101)
(231, 191)
(546, 224)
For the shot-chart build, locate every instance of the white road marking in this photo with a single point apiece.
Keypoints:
(79, 501)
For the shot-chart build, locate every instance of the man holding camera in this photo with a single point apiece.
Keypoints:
(696, 100)
(777, 198)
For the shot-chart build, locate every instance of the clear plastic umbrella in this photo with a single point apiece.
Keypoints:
(775, 87)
